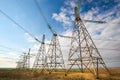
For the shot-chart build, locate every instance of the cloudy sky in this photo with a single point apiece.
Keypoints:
(60, 15)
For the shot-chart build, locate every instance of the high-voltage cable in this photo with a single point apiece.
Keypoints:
(2, 46)
(20, 26)
(45, 19)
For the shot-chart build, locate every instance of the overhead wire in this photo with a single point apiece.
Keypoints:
(63, 35)
(93, 21)
(8, 48)
(6, 57)
(45, 19)
(1, 50)
(97, 48)
(99, 21)
(112, 61)
(50, 28)
(20, 26)
(108, 39)
(36, 2)
(93, 38)
(109, 49)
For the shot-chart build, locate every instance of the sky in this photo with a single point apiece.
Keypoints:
(60, 15)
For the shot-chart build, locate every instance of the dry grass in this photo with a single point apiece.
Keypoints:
(36, 75)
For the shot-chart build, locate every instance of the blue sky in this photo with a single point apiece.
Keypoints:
(60, 16)
(26, 14)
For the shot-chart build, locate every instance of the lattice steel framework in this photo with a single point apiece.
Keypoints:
(55, 58)
(40, 59)
(83, 52)
(25, 62)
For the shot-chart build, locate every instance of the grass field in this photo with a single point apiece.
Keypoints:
(12, 74)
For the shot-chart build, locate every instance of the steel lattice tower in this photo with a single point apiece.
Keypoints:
(83, 52)
(55, 58)
(25, 62)
(40, 59)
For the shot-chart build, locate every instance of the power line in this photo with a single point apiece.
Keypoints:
(114, 61)
(36, 2)
(21, 27)
(109, 49)
(108, 39)
(93, 38)
(45, 19)
(2, 46)
(4, 50)
(97, 48)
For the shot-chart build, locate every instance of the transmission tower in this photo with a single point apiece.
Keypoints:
(27, 60)
(40, 60)
(55, 58)
(83, 52)
(24, 63)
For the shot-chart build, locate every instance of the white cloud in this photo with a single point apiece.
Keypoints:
(89, 15)
(108, 31)
(71, 3)
(9, 59)
(61, 17)
(65, 44)
(66, 13)
(29, 38)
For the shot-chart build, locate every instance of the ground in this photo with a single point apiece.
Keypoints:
(13, 74)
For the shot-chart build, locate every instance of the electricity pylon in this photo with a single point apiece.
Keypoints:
(40, 60)
(55, 58)
(25, 62)
(83, 52)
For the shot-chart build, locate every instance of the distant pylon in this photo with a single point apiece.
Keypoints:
(27, 60)
(83, 52)
(24, 63)
(40, 60)
(55, 58)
